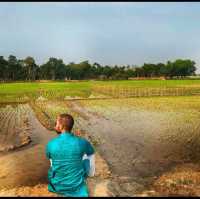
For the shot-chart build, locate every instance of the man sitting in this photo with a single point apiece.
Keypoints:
(72, 160)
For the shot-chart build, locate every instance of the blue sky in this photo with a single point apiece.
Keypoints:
(105, 32)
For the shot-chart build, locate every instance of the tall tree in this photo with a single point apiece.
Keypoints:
(3, 68)
(30, 68)
(13, 67)
(54, 69)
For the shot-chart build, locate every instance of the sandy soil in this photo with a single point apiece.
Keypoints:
(98, 185)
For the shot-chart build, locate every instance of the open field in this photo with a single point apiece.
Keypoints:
(20, 92)
(126, 131)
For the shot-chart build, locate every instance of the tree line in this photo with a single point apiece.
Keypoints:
(13, 69)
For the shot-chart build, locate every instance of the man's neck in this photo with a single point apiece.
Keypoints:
(65, 131)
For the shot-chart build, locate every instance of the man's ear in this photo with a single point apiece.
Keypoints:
(57, 126)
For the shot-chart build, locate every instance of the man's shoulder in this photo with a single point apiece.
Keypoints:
(83, 141)
(77, 137)
(52, 141)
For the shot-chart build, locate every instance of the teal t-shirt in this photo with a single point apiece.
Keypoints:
(68, 172)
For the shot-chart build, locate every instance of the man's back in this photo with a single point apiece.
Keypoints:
(67, 174)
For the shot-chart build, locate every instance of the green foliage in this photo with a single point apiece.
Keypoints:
(30, 68)
(178, 68)
(3, 68)
(55, 69)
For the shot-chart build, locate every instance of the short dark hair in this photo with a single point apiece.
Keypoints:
(66, 121)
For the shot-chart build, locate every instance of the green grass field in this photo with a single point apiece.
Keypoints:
(58, 90)
(150, 83)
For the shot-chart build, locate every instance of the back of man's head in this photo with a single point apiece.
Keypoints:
(66, 122)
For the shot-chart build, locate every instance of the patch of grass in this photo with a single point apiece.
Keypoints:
(184, 181)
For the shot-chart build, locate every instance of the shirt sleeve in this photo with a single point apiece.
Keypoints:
(88, 148)
(91, 158)
(92, 165)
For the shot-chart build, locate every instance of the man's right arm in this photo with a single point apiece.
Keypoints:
(91, 159)
(89, 149)
(90, 155)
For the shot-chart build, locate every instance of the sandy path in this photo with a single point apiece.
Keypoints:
(28, 165)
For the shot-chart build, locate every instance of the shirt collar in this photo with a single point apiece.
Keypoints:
(66, 133)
